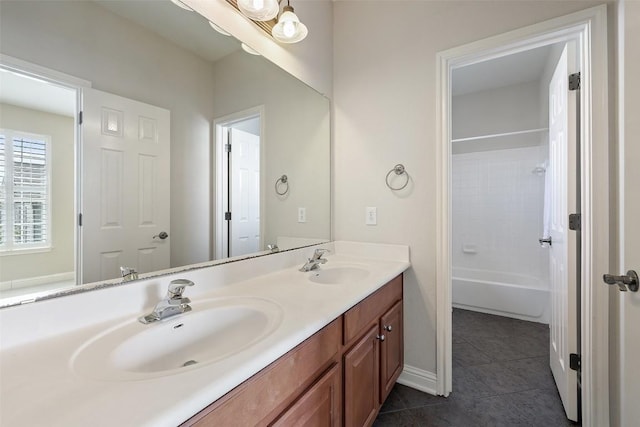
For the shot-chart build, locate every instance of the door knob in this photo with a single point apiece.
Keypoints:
(162, 235)
(380, 337)
(544, 240)
(388, 328)
(625, 282)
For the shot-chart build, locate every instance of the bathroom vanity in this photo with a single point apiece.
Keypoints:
(263, 344)
(362, 349)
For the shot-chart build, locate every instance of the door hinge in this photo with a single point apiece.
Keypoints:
(575, 221)
(227, 216)
(80, 119)
(227, 148)
(574, 361)
(79, 220)
(574, 81)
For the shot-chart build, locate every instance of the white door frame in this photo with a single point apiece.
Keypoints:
(219, 226)
(77, 84)
(589, 29)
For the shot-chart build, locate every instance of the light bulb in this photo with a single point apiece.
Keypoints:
(289, 29)
(258, 4)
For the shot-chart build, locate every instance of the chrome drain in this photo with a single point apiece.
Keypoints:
(189, 363)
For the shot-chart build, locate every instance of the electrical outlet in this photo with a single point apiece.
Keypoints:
(302, 214)
(371, 216)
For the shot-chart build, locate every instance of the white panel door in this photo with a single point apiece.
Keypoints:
(245, 193)
(125, 193)
(562, 252)
(630, 231)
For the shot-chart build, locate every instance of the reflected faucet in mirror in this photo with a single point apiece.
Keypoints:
(128, 273)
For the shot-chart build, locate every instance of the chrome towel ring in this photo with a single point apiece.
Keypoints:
(283, 180)
(398, 170)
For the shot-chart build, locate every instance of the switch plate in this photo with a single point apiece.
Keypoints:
(371, 215)
(302, 214)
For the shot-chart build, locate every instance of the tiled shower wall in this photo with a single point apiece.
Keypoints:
(497, 211)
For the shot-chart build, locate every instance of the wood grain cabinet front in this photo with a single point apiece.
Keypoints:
(320, 406)
(339, 376)
(374, 353)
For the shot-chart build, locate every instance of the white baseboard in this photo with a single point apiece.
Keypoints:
(419, 379)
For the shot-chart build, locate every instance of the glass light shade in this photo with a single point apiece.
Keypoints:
(181, 5)
(259, 10)
(289, 29)
(249, 50)
(218, 29)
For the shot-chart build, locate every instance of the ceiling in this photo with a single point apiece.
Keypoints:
(185, 29)
(517, 68)
(29, 92)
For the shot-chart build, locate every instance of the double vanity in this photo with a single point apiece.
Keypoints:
(252, 342)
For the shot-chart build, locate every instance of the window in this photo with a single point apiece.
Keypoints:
(25, 191)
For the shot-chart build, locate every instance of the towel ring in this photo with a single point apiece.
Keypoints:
(398, 170)
(282, 180)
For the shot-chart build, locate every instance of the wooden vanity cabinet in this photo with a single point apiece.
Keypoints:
(374, 355)
(339, 376)
(321, 405)
(262, 399)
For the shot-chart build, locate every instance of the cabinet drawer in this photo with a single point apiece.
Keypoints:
(260, 399)
(320, 406)
(359, 317)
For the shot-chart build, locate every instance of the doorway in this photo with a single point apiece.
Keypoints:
(587, 29)
(513, 155)
(39, 169)
(238, 229)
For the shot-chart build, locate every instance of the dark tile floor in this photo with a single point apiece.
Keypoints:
(501, 377)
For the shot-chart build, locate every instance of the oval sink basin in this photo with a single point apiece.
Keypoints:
(342, 275)
(214, 330)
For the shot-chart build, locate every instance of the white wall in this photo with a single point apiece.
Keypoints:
(497, 210)
(497, 202)
(296, 124)
(310, 60)
(61, 258)
(87, 41)
(384, 113)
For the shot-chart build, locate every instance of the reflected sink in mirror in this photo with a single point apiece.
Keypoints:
(338, 275)
(214, 330)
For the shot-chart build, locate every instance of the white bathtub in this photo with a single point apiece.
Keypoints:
(504, 294)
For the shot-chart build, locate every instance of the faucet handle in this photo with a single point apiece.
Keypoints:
(317, 254)
(176, 288)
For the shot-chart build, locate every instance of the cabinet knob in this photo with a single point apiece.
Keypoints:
(380, 337)
(388, 328)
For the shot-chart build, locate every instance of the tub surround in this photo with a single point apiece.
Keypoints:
(40, 386)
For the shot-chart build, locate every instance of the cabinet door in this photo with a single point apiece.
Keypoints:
(391, 349)
(320, 406)
(361, 380)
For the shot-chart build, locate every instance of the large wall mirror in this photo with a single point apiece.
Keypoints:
(191, 150)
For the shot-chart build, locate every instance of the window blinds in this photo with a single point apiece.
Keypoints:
(25, 191)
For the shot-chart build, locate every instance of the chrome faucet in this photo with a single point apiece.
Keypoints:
(128, 273)
(174, 303)
(313, 262)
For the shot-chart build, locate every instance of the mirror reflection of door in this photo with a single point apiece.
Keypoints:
(240, 172)
(126, 200)
(37, 196)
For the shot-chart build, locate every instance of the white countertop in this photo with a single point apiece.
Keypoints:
(39, 385)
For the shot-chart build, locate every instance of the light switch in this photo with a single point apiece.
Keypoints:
(302, 214)
(372, 216)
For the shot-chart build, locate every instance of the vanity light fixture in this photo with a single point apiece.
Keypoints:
(181, 5)
(289, 29)
(249, 50)
(259, 10)
(218, 29)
